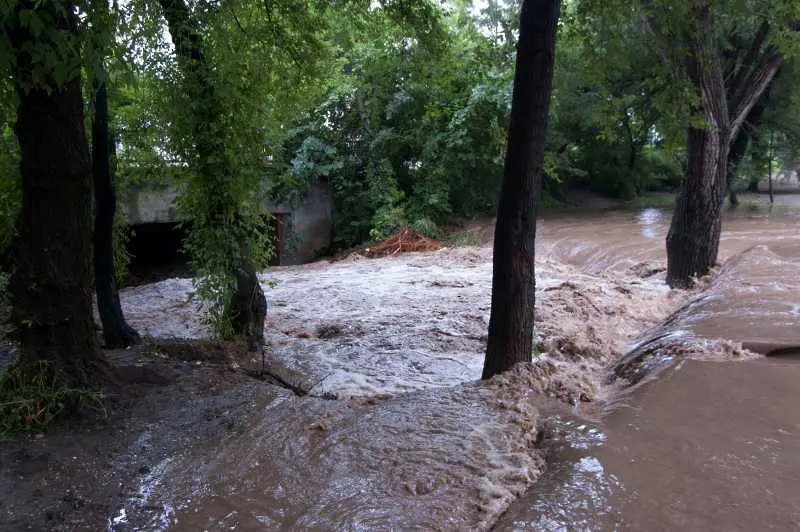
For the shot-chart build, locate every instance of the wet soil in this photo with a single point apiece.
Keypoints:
(77, 475)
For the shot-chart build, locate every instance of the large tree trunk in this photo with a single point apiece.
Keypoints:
(248, 304)
(249, 307)
(693, 238)
(51, 285)
(513, 280)
(116, 331)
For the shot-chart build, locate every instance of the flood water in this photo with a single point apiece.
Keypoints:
(704, 439)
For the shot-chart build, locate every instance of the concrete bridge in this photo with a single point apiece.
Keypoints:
(302, 231)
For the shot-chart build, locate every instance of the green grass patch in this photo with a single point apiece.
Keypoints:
(32, 403)
(651, 202)
(753, 206)
(463, 239)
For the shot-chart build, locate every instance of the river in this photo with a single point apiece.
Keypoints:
(693, 429)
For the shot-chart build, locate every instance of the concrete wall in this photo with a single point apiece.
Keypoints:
(144, 205)
(307, 226)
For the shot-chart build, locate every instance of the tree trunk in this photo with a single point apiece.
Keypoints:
(735, 155)
(248, 304)
(748, 133)
(693, 238)
(116, 332)
(249, 307)
(51, 285)
(769, 169)
(513, 280)
(732, 196)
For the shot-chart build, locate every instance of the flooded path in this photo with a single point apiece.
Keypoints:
(415, 442)
(707, 446)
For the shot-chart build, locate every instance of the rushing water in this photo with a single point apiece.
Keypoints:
(414, 442)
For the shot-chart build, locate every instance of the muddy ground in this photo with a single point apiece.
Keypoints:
(74, 476)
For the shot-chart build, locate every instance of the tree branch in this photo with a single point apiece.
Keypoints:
(752, 89)
(741, 69)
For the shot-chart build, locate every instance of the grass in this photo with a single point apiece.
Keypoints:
(32, 403)
(661, 201)
(462, 239)
(754, 206)
(667, 201)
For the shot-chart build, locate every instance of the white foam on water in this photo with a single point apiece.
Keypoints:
(399, 324)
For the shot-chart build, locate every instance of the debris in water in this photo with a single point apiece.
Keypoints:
(405, 241)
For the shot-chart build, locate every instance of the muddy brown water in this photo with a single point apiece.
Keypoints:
(710, 443)
(415, 443)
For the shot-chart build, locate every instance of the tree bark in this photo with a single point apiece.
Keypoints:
(249, 307)
(248, 304)
(513, 281)
(51, 285)
(116, 331)
(769, 169)
(693, 237)
(736, 154)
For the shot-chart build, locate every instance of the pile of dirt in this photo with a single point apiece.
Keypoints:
(405, 241)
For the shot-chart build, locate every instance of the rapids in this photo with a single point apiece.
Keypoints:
(415, 442)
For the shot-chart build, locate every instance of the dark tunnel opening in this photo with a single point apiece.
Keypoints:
(156, 251)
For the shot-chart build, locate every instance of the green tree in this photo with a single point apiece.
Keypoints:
(223, 238)
(728, 82)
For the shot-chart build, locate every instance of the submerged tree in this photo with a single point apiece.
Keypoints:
(727, 87)
(51, 284)
(513, 281)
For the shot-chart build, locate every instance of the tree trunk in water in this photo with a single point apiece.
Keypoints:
(749, 131)
(51, 285)
(116, 332)
(513, 280)
(248, 304)
(769, 170)
(733, 197)
(693, 238)
(249, 307)
(735, 155)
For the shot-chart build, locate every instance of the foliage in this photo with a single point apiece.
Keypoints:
(10, 199)
(32, 403)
